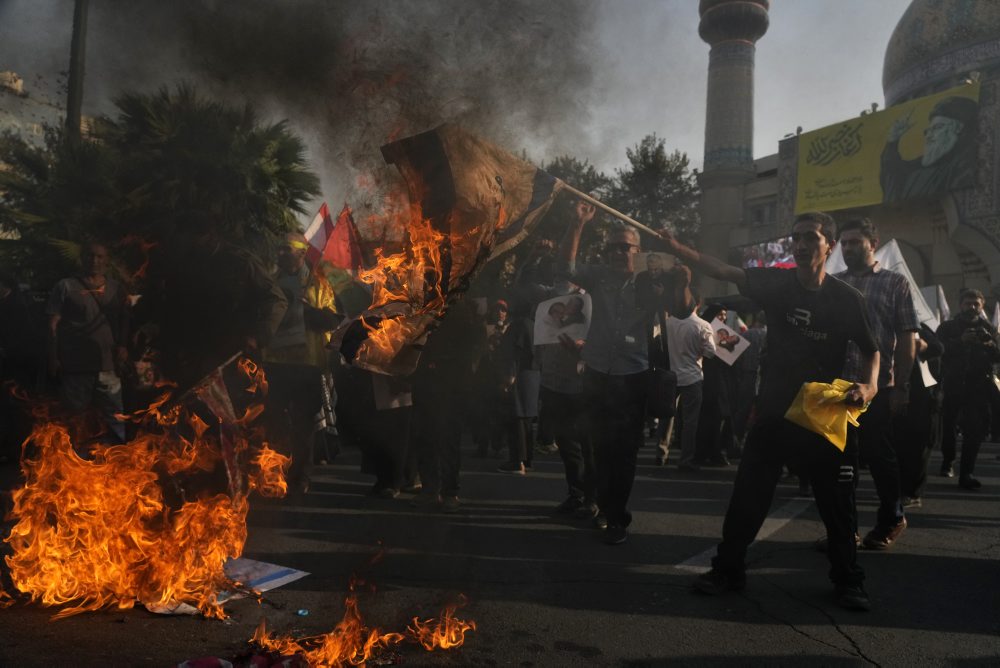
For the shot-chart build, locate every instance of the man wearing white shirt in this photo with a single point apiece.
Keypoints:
(689, 341)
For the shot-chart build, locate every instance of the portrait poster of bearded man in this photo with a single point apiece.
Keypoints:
(949, 158)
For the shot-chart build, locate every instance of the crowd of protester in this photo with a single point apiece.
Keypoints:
(649, 366)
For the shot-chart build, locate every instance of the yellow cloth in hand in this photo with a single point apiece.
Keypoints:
(820, 408)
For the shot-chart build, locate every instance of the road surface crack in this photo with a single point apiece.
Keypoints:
(793, 627)
(847, 636)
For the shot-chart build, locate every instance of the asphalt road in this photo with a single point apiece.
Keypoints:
(544, 591)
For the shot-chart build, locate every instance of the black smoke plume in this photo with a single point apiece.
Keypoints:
(353, 75)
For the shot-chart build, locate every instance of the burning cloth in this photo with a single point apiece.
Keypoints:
(153, 520)
(470, 201)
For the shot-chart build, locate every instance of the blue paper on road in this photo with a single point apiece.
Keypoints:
(257, 575)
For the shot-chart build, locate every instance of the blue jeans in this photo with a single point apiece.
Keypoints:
(689, 401)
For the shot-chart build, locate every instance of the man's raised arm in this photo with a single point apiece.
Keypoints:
(570, 244)
(707, 264)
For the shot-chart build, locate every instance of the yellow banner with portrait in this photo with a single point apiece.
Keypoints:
(920, 149)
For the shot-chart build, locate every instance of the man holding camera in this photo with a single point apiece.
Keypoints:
(971, 347)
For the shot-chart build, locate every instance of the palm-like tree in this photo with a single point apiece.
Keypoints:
(170, 163)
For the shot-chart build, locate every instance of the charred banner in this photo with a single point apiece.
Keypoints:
(469, 201)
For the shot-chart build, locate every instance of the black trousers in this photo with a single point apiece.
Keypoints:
(616, 407)
(565, 414)
(520, 440)
(916, 432)
(437, 413)
(295, 395)
(770, 444)
(968, 408)
(876, 446)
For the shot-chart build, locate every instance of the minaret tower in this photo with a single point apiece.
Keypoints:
(732, 28)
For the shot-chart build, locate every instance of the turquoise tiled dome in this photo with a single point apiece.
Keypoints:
(937, 40)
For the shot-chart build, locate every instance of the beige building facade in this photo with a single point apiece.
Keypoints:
(953, 241)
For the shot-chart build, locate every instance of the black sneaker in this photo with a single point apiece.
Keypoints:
(853, 597)
(717, 462)
(947, 471)
(513, 468)
(587, 511)
(570, 505)
(716, 582)
(601, 521)
(912, 502)
(615, 535)
(969, 483)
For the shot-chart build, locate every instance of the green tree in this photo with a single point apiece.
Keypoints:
(584, 177)
(581, 175)
(658, 188)
(168, 164)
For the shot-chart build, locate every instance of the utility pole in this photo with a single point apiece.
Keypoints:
(78, 47)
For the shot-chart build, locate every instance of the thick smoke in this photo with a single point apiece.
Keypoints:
(352, 75)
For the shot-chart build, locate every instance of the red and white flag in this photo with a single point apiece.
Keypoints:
(318, 233)
(336, 242)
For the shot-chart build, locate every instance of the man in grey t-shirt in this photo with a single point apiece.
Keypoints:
(88, 328)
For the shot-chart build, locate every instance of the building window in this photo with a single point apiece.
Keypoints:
(763, 214)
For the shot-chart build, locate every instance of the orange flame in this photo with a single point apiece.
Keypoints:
(412, 289)
(6, 600)
(444, 632)
(269, 478)
(141, 522)
(410, 280)
(352, 643)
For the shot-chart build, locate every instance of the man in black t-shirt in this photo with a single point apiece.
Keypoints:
(811, 316)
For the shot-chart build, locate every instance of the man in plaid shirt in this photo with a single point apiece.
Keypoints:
(894, 323)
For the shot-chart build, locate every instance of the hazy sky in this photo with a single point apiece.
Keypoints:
(820, 62)
(637, 66)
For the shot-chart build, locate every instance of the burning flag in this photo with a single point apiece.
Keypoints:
(335, 242)
(469, 202)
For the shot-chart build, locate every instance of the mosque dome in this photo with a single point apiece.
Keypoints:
(937, 43)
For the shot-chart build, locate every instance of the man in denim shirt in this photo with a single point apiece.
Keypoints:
(616, 359)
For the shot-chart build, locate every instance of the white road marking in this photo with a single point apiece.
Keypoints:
(774, 521)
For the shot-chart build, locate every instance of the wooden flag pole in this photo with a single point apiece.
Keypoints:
(604, 207)
(201, 383)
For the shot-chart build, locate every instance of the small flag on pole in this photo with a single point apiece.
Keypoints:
(338, 243)
(343, 248)
(318, 234)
